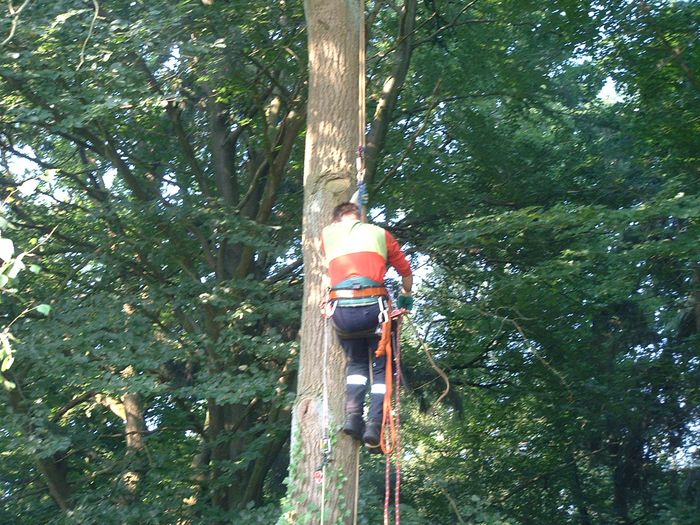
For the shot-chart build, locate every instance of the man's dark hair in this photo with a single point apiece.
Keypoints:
(345, 208)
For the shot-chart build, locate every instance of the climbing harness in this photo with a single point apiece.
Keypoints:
(390, 434)
(390, 347)
(357, 293)
(390, 439)
(327, 307)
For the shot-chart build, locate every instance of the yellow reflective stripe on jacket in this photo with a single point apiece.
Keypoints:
(342, 238)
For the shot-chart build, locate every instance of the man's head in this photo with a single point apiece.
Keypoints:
(346, 209)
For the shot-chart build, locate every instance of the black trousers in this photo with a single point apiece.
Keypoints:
(360, 354)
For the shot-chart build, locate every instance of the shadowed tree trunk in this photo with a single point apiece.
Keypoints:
(135, 428)
(53, 468)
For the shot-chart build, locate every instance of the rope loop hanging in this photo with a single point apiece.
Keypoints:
(326, 443)
(390, 440)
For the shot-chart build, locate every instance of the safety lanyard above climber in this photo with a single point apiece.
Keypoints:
(361, 120)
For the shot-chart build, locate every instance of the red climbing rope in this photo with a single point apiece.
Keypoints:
(397, 455)
(391, 440)
(387, 490)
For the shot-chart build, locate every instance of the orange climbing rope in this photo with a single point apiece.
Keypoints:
(397, 401)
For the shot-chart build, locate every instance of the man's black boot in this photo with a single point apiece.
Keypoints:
(372, 435)
(354, 426)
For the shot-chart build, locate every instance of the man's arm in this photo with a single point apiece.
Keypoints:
(406, 285)
(405, 299)
(397, 259)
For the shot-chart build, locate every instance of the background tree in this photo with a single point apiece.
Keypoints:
(557, 222)
(160, 137)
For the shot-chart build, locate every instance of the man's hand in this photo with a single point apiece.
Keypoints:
(404, 301)
(363, 196)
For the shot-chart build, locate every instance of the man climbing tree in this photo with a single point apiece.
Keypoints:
(324, 478)
(357, 255)
(328, 180)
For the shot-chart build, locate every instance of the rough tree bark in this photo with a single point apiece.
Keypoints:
(329, 178)
(135, 428)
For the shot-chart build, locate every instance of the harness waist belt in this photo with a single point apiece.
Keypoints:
(376, 291)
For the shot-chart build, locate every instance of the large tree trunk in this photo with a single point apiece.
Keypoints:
(578, 493)
(135, 429)
(329, 178)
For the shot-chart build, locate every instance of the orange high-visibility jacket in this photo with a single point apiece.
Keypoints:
(356, 249)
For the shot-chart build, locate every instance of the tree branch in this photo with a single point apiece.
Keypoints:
(451, 24)
(390, 90)
(285, 272)
(289, 131)
(14, 13)
(412, 141)
(71, 404)
(87, 38)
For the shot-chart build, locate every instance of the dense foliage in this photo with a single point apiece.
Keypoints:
(151, 167)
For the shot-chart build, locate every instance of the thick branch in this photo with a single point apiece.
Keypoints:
(222, 143)
(390, 90)
(289, 131)
(412, 141)
(72, 404)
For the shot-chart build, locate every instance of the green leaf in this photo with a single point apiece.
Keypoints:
(34, 268)
(17, 266)
(7, 249)
(5, 344)
(7, 363)
(43, 309)
(6, 357)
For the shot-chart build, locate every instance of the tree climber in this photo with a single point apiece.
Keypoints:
(357, 255)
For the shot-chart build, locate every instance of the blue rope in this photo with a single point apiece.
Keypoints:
(361, 195)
